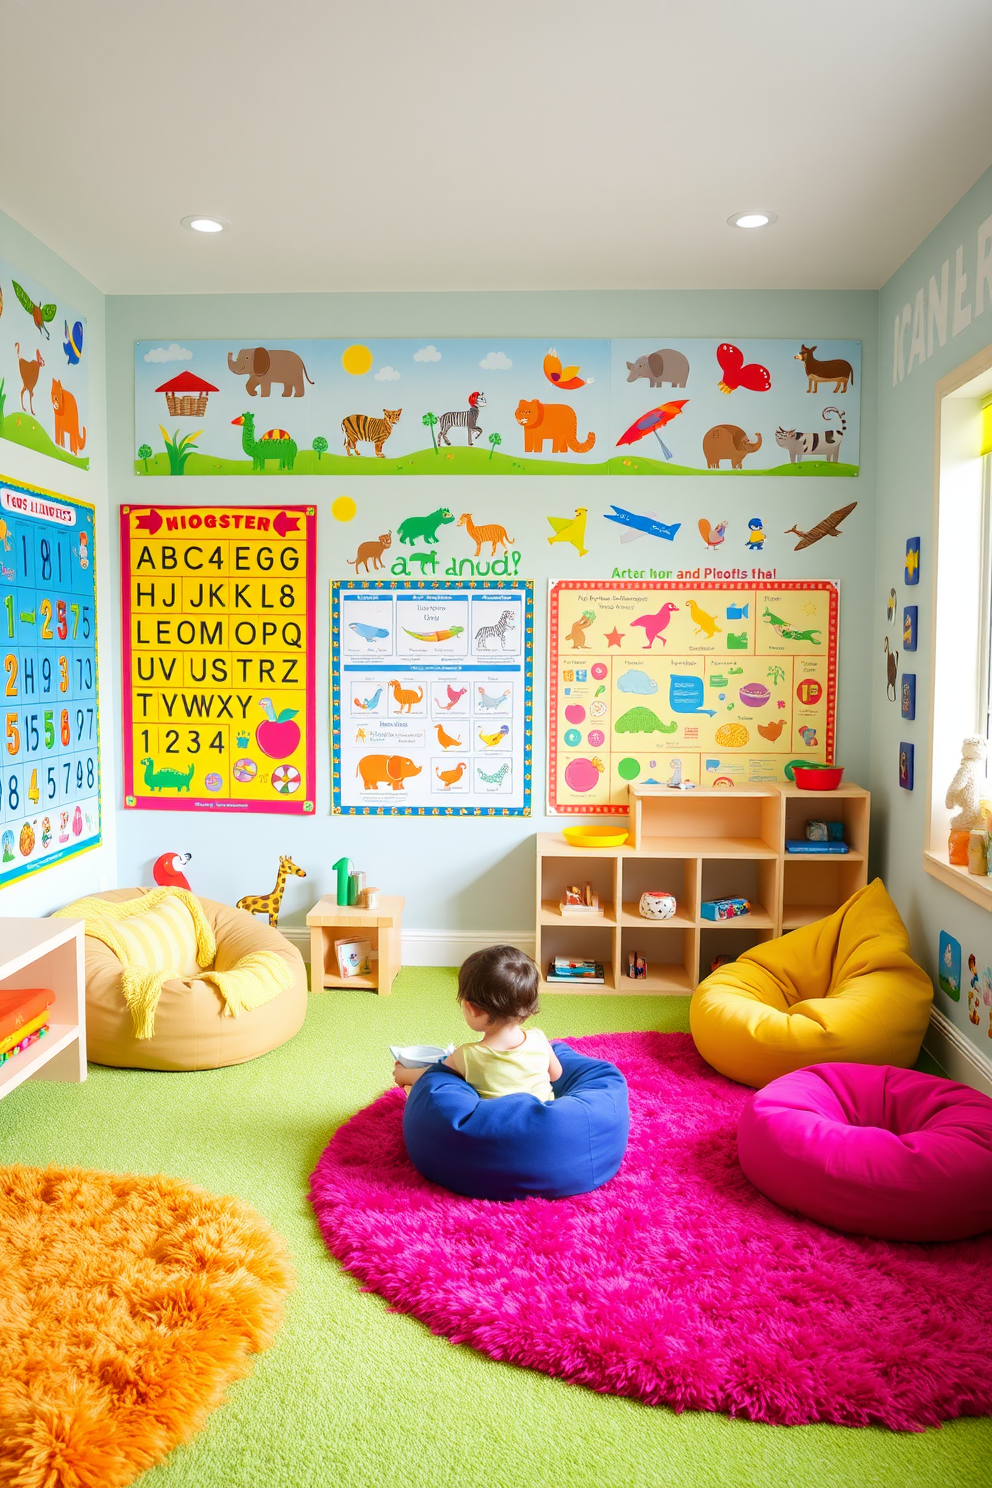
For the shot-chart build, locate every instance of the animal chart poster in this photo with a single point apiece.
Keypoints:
(690, 685)
(432, 697)
(50, 760)
(44, 370)
(498, 406)
(219, 658)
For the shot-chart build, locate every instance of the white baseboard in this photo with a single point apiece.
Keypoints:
(956, 1054)
(431, 947)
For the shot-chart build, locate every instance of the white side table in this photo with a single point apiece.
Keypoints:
(47, 953)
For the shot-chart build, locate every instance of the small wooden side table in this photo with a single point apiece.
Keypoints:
(381, 927)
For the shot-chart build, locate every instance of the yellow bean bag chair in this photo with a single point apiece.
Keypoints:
(844, 989)
(193, 1023)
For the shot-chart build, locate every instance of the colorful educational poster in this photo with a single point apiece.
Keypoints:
(498, 406)
(50, 759)
(219, 646)
(432, 706)
(44, 370)
(687, 685)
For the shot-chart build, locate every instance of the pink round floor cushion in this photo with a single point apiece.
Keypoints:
(873, 1150)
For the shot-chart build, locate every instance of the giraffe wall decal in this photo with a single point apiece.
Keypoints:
(271, 903)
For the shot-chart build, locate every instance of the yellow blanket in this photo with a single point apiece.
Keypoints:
(252, 981)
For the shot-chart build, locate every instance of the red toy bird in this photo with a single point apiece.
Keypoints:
(753, 376)
(651, 422)
(167, 871)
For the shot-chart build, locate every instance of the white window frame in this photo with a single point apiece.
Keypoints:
(960, 623)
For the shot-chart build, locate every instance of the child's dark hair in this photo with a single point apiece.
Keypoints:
(500, 981)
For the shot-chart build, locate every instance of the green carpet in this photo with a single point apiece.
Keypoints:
(356, 1397)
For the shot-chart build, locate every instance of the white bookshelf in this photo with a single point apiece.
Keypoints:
(47, 953)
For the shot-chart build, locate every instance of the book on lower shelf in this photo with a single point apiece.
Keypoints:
(354, 957)
(576, 969)
(22, 1006)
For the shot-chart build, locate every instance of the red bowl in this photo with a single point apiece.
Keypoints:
(818, 780)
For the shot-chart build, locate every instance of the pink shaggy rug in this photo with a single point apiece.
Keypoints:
(677, 1283)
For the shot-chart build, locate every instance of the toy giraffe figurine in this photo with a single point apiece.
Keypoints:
(270, 903)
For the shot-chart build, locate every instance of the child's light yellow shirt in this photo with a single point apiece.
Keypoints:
(495, 1072)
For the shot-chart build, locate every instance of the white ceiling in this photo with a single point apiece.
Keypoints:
(524, 144)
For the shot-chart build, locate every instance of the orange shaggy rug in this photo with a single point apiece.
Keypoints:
(127, 1306)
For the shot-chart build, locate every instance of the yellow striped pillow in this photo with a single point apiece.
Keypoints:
(161, 939)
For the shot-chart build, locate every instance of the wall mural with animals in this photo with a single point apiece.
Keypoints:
(498, 407)
(686, 684)
(43, 370)
(432, 697)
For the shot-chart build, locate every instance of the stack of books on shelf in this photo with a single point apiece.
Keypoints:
(23, 1019)
(574, 969)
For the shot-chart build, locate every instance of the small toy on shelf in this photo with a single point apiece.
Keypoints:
(369, 899)
(271, 903)
(824, 831)
(719, 961)
(579, 901)
(657, 904)
(978, 853)
(964, 792)
(637, 967)
(725, 909)
(343, 870)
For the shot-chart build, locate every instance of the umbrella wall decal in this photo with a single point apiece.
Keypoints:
(651, 422)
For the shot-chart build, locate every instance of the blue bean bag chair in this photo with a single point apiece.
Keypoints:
(517, 1147)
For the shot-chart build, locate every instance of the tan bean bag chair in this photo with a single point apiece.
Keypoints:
(192, 1029)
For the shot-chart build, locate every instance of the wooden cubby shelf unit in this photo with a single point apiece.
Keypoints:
(697, 845)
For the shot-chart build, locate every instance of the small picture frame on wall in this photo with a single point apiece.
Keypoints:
(912, 574)
(910, 618)
(908, 696)
(907, 766)
(949, 966)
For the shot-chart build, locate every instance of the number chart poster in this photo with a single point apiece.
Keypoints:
(50, 762)
(686, 685)
(432, 697)
(219, 646)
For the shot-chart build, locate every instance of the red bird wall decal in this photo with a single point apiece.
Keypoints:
(753, 376)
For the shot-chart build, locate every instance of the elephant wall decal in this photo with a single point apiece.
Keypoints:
(263, 367)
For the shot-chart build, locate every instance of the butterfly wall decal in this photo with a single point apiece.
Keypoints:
(738, 374)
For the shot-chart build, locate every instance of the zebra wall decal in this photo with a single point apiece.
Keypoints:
(360, 428)
(463, 418)
(489, 632)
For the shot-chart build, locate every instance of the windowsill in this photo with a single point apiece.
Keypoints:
(977, 889)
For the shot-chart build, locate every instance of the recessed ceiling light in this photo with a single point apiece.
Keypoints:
(752, 219)
(202, 224)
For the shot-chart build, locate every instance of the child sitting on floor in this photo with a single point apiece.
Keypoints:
(497, 989)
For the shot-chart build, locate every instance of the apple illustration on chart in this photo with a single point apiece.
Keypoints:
(277, 736)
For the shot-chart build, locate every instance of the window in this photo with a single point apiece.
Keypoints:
(962, 621)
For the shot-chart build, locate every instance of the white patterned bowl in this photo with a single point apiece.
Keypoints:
(657, 905)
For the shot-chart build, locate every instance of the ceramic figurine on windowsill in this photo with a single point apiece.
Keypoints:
(964, 792)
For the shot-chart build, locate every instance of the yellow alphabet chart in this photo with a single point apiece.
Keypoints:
(218, 657)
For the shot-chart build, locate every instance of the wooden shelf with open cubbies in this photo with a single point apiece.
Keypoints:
(697, 845)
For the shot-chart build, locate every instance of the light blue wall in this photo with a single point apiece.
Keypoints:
(906, 509)
(465, 874)
(43, 892)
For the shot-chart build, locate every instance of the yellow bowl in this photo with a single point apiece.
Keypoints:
(594, 836)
